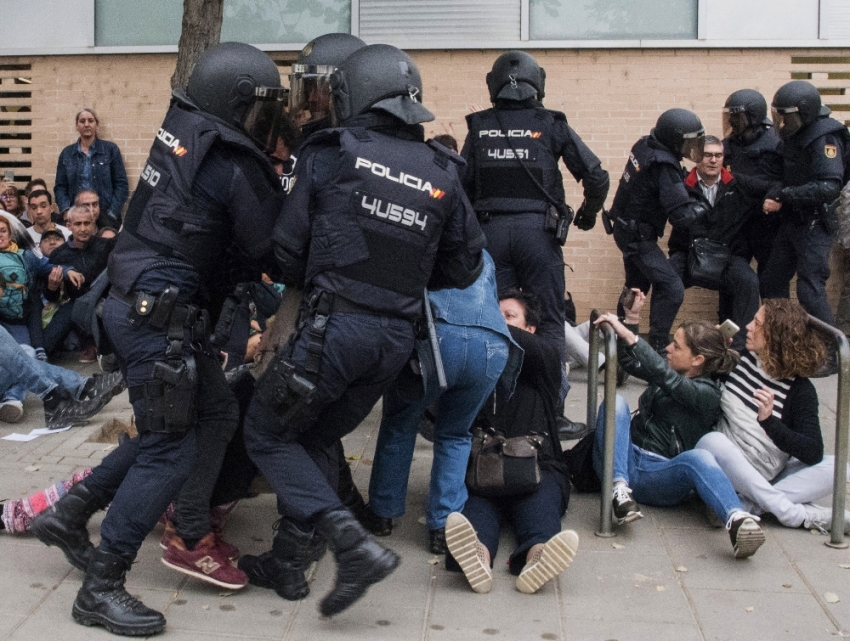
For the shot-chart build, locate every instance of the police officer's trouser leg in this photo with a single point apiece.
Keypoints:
(668, 292)
(775, 281)
(218, 418)
(813, 251)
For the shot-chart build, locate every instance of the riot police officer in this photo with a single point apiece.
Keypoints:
(751, 150)
(375, 215)
(651, 192)
(514, 183)
(813, 173)
(207, 183)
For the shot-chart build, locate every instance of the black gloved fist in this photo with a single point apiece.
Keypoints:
(584, 219)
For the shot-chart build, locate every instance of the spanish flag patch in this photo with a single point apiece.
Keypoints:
(830, 151)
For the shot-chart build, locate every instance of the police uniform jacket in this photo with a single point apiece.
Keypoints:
(727, 218)
(500, 141)
(759, 159)
(813, 171)
(650, 192)
(204, 187)
(372, 213)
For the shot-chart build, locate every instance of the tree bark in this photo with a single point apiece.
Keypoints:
(201, 29)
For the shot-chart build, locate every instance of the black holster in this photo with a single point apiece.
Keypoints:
(170, 398)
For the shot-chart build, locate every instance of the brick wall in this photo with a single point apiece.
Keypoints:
(611, 97)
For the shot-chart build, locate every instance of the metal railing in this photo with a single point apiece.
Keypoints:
(606, 521)
(842, 421)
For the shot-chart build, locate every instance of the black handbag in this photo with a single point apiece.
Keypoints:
(707, 262)
(500, 466)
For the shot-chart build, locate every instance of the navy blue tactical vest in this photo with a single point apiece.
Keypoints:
(747, 159)
(501, 183)
(377, 226)
(637, 194)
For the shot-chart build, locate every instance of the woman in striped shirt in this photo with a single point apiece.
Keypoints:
(768, 440)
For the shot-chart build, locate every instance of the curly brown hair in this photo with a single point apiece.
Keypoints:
(792, 346)
(704, 339)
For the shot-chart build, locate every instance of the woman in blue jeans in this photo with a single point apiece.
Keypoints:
(654, 459)
(474, 345)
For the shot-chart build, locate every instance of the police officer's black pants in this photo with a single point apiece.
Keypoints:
(143, 475)
(740, 285)
(646, 266)
(804, 250)
(361, 357)
(527, 257)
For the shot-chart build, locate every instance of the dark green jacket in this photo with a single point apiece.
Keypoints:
(675, 411)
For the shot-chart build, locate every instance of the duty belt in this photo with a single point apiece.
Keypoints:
(162, 311)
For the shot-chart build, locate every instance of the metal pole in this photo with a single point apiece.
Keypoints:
(592, 369)
(606, 521)
(842, 421)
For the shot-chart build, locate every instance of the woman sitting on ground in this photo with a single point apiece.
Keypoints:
(654, 459)
(768, 440)
(542, 551)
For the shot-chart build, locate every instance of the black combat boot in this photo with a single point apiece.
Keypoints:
(64, 525)
(102, 600)
(282, 568)
(361, 562)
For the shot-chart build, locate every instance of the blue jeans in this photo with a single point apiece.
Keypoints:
(20, 371)
(656, 480)
(473, 358)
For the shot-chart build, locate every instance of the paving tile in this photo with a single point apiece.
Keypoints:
(708, 557)
(724, 616)
(29, 575)
(358, 622)
(828, 576)
(587, 630)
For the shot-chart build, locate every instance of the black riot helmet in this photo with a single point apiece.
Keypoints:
(744, 109)
(379, 78)
(240, 85)
(516, 76)
(309, 81)
(795, 105)
(681, 132)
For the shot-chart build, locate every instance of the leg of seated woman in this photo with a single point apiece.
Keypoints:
(661, 481)
(536, 518)
(749, 483)
(803, 483)
(622, 441)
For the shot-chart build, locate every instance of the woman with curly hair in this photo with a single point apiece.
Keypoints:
(768, 440)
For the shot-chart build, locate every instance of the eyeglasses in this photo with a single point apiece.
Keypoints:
(710, 156)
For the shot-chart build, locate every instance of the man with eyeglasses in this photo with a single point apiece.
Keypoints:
(710, 183)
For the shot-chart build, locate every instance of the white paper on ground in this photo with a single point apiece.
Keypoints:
(20, 437)
(46, 430)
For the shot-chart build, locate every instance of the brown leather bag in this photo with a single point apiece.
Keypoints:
(500, 466)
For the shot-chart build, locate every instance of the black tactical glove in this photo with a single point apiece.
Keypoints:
(585, 219)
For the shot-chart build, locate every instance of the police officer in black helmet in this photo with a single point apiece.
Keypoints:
(513, 181)
(207, 183)
(375, 215)
(650, 193)
(814, 172)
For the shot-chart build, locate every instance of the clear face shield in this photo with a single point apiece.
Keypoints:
(265, 118)
(309, 93)
(787, 120)
(735, 121)
(693, 145)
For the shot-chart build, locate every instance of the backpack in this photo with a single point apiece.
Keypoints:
(13, 284)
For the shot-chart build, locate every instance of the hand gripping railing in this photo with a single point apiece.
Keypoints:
(606, 528)
(842, 421)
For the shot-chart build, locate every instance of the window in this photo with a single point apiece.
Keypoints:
(158, 22)
(612, 19)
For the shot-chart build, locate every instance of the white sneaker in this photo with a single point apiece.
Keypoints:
(744, 532)
(11, 411)
(469, 552)
(820, 518)
(552, 559)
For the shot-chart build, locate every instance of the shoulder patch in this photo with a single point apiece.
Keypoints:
(830, 151)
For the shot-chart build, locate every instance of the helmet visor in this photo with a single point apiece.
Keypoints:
(309, 93)
(693, 145)
(266, 118)
(787, 121)
(735, 121)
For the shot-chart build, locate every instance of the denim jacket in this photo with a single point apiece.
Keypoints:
(109, 179)
(476, 306)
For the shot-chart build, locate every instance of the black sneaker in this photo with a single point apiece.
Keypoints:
(746, 535)
(62, 411)
(437, 541)
(100, 385)
(626, 509)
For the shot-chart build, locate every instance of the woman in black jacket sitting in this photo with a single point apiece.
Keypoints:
(543, 551)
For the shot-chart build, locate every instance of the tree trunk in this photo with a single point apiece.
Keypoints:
(201, 29)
